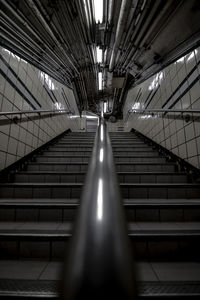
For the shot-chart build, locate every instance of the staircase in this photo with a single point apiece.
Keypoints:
(38, 205)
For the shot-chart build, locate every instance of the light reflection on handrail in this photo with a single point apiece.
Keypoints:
(99, 263)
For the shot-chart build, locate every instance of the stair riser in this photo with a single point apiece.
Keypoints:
(72, 148)
(126, 140)
(140, 159)
(78, 143)
(131, 148)
(145, 168)
(64, 167)
(129, 144)
(151, 178)
(77, 178)
(49, 152)
(160, 192)
(37, 214)
(63, 159)
(86, 159)
(63, 178)
(136, 153)
(182, 214)
(55, 249)
(41, 192)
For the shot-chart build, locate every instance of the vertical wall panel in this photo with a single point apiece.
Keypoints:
(176, 87)
(23, 87)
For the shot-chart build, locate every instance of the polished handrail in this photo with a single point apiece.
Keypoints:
(21, 112)
(99, 263)
(155, 110)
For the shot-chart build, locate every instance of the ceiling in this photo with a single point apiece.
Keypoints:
(137, 37)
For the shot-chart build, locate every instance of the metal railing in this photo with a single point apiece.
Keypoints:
(39, 111)
(99, 263)
(151, 110)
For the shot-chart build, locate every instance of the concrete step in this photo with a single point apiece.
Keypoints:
(145, 167)
(128, 147)
(36, 190)
(70, 148)
(62, 158)
(120, 167)
(155, 280)
(160, 190)
(41, 176)
(139, 158)
(152, 177)
(57, 166)
(147, 153)
(124, 177)
(128, 143)
(67, 152)
(64, 209)
(84, 158)
(162, 210)
(74, 143)
(48, 240)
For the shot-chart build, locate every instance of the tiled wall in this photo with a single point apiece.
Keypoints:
(24, 87)
(176, 87)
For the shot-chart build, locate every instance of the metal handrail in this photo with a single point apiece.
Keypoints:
(99, 263)
(164, 110)
(20, 112)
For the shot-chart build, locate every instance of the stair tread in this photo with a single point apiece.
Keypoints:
(167, 273)
(78, 184)
(117, 163)
(120, 173)
(54, 202)
(59, 229)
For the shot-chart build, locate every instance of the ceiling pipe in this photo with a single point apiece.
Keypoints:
(47, 27)
(110, 11)
(24, 22)
(124, 10)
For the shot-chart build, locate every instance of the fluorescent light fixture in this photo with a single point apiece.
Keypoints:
(100, 200)
(100, 81)
(99, 55)
(98, 9)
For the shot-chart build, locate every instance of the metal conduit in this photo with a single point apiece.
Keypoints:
(99, 263)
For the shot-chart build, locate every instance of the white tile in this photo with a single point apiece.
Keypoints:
(2, 159)
(192, 148)
(12, 146)
(182, 151)
(4, 141)
(10, 159)
(189, 131)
